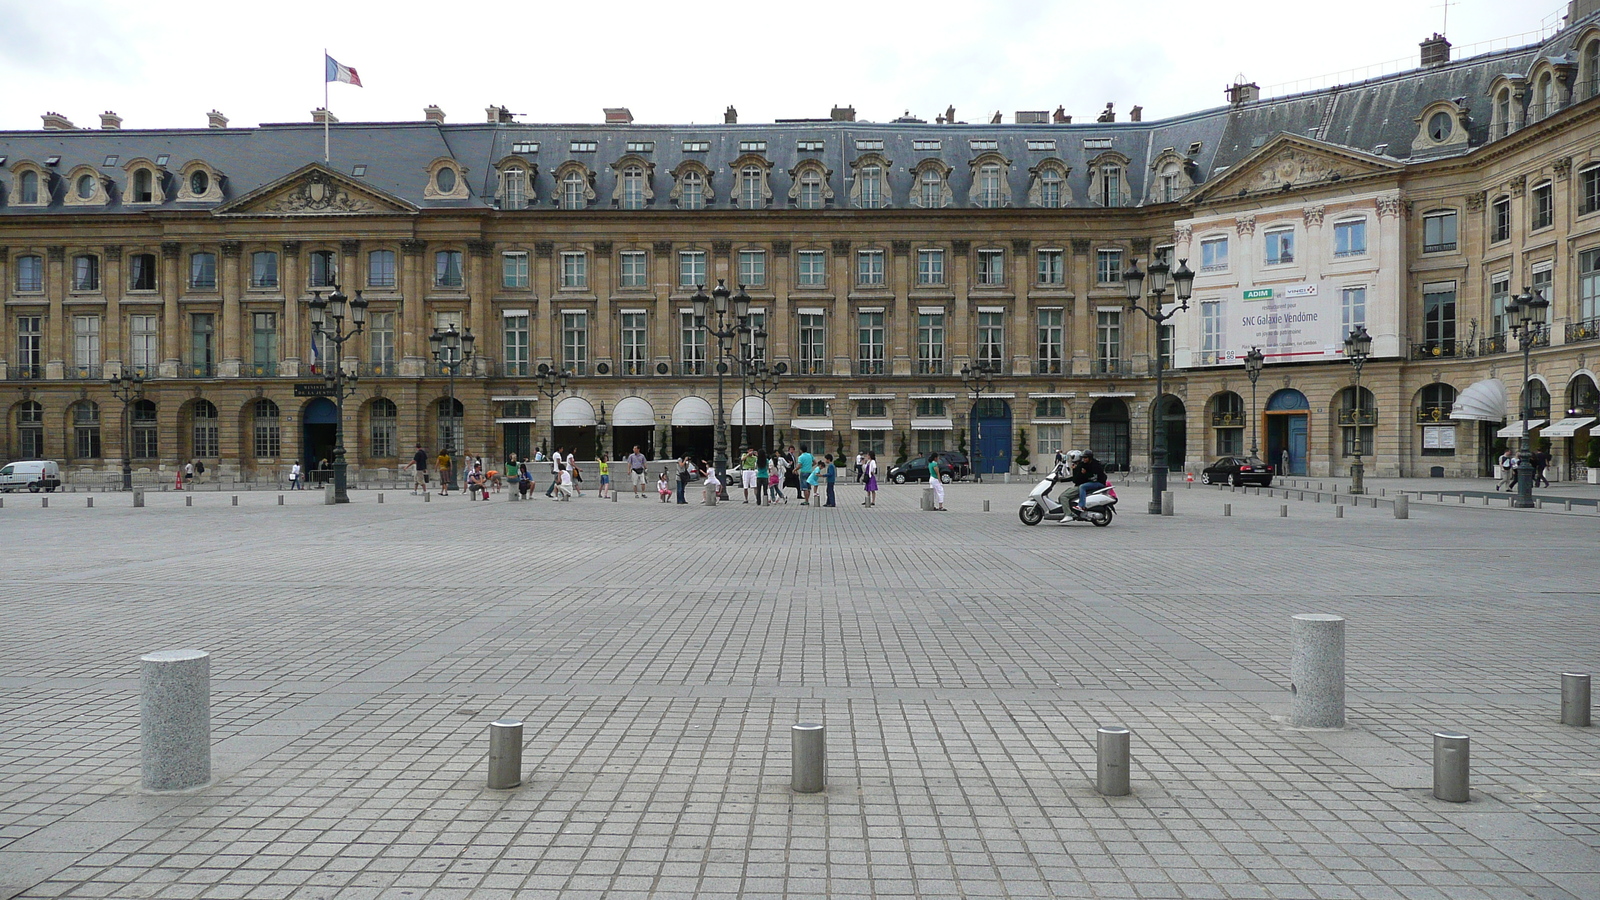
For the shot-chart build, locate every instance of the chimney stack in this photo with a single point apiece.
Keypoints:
(110, 121)
(54, 121)
(1136, 114)
(497, 115)
(618, 115)
(843, 113)
(730, 116)
(321, 115)
(1435, 50)
(215, 119)
(1060, 116)
(433, 114)
(1243, 92)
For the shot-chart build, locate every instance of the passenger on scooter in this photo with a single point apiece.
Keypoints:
(1088, 475)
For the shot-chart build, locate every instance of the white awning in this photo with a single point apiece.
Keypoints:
(1485, 401)
(932, 424)
(572, 412)
(1567, 427)
(633, 412)
(871, 424)
(812, 424)
(692, 411)
(752, 411)
(516, 420)
(1514, 430)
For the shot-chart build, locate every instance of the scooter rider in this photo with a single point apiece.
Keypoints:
(1088, 475)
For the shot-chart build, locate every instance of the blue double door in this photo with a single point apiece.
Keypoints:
(991, 436)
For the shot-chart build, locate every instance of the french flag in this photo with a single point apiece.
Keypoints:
(336, 72)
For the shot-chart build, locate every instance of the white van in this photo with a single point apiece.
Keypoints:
(32, 474)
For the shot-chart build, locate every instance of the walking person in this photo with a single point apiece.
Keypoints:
(935, 483)
(805, 464)
(442, 462)
(636, 463)
(761, 479)
(294, 477)
(861, 466)
(577, 476)
(557, 463)
(830, 477)
(791, 476)
(871, 468)
(775, 470)
(1541, 461)
(188, 475)
(419, 471)
(1508, 471)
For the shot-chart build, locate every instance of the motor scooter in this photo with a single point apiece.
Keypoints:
(1099, 507)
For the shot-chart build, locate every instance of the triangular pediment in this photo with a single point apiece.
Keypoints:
(1290, 161)
(316, 190)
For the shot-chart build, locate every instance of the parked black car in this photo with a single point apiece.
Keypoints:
(1237, 470)
(916, 469)
(960, 465)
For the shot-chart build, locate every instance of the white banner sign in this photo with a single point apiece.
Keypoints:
(1290, 324)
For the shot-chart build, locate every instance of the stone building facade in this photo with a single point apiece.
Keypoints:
(880, 258)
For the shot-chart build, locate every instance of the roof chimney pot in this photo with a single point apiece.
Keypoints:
(618, 115)
(433, 114)
(320, 115)
(1435, 50)
(1242, 92)
(110, 121)
(54, 121)
(730, 116)
(215, 119)
(843, 113)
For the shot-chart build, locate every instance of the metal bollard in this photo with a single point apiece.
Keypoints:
(427, 497)
(91, 503)
(1227, 509)
(1567, 507)
(138, 499)
(380, 496)
(1283, 511)
(808, 758)
(1111, 760)
(505, 754)
(235, 500)
(1316, 671)
(280, 499)
(175, 719)
(1338, 512)
(1575, 699)
(1452, 763)
(985, 506)
(1402, 507)
(1167, 502)
(1485, 499)
(614, 493)
(188, 500)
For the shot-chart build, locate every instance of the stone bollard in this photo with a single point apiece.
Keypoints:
(505, 754)
(175, 719)
(708, 496)
(1567, 507)
(1485, 499)
(1402, 507)
(1575, 699)
(380, 497)
(1227, 509)
(985, 506)
(1111, 746)
(188, 500)
(327, 494)
(235, 500)
(808, 758)
(1283, 511)
(1452, 766)
(614, 494)
(1166, 503)
(138, 499)
(280, 499)
(427, 497)
(1316, 671)
(91, 503)
(1338, 512)
(927, 499)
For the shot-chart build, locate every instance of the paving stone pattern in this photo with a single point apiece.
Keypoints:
(659, 653)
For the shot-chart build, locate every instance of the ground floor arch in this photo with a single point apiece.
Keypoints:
(1109, 435)
(1288, 431)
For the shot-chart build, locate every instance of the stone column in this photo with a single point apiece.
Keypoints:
(1078, 329)
(839, 342)
(545, 349)
(171, 320)
(602, 329)
(413, 327)
(175, 719)
(57, 325)
(111, 327)
(1017, 322)
(958, 331)
(780, 326)
(480, 307)
(232, 328)
(290, 320)
(899, 327)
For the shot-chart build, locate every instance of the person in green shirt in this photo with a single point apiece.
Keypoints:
(762, 474)
(935, 483)
(747, 474)
(605, 476)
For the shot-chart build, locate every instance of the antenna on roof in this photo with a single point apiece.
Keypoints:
(1444, 28)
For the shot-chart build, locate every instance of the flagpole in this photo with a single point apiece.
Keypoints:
(325, 112)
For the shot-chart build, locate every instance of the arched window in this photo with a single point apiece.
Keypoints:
(382, 429)
(1544, 96)
(1583, 399)
(30, 429)
(1358, 414)
(989, 186)
(143, 191)
(266, 430)
(574, 191)
(1538, 399)
(86, 430)
(752, 193)
(28, 188)
(205, 429)
(144, 430)
(930, 187)
(1228, 418)
(692, 190)
(1435, 402)
(871, 193)
(810, 190)
(450, 414)
(1050, 187)
(1590, 63)
(514, 188)
(633, 187)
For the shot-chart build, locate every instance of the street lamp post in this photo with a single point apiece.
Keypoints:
(452, 349)
(1357, 347)
(127, 390)
(1527, 331)
(1182, 282)
(600, 429)
(761, 379)
(730, 324)
(1252, 367)
(552, 384)
(327, 317)
(977, 379)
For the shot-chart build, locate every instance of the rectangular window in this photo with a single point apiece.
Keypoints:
(141, 272)
(144, 344)
(641, 146)
(691, 268)
(930, 267)
(811, 407)
(380, 343)
(380, 269)
(1500, 219)
(202, 345)
(516, 341)
(861, 145)
(757, 322)
(1589, 188)
(992, 339)
(1214, 255)
(1280, 247)
(86, 430)
(1589, 284)
(575, 342)
(574, 270)
(1439, 314)
(872, 409)
(1230, 441)
(869, 268)
(514, 269)
(869, 343)
(447, 269)
(991, 268)
(632, 272)
(1539, 282)
(86, 273)
(1049, 440)
(932, 441)
(1108, 342)
(925, 146)
(1111, 186)
(513, 189)
(1052, 270)
(264, 269)
(752, 146)
(382, 431)
(813, 343)
(202, 272)
(30, 346)
(1164, 344)
(30, 274)
(1211, 332)
(634, 348)
(1108, 267)
(872, 442)
(753, 268)
(930, 408)
(1439, 232)
(1350, 238)
(268, 434)
(1051, 331)
(1499, 294)
(1544, 210)
(813, 269)
(1352, 309)
(1050, 408)
(86, 345)
(264, 343)
(584, 146)
(691, 344)
(696, 146)
(324, 269)
(930, 343)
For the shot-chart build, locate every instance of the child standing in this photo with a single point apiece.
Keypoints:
(605, 477)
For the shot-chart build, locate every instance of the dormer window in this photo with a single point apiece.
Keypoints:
(811, 189)
(28, 188)
(142, 191)
(932, 185)
(199, 182)
(445, 180)
(1440, 126)
(869, 189)
(85, 187)
(513, 188)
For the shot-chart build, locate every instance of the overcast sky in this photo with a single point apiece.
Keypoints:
(166, 66)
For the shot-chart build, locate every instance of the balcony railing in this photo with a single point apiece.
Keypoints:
(1494, 343)
(869, 367)
(1358, 417)
(1111, 368)
(1587, 330)
(24, 373)
(1434, 350)
(262, 370)
(1433, 412)
(1227, 420)
(197, 370)
(84, 372)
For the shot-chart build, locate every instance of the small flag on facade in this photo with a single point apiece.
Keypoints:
(337, 72)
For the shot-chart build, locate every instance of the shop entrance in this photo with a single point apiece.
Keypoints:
(318, 434)
(1288, 419)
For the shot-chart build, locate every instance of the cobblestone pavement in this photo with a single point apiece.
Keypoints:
(659, 654)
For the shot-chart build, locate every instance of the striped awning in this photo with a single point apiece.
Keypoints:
(932, 424)
(1484, 401)
(812, 424)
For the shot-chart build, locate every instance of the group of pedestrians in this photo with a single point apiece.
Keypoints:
(1509, 462)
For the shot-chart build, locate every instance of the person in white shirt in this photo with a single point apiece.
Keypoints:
(566, 485)
(294, 477)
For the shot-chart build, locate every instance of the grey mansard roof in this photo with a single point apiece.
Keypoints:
(1377, 116)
